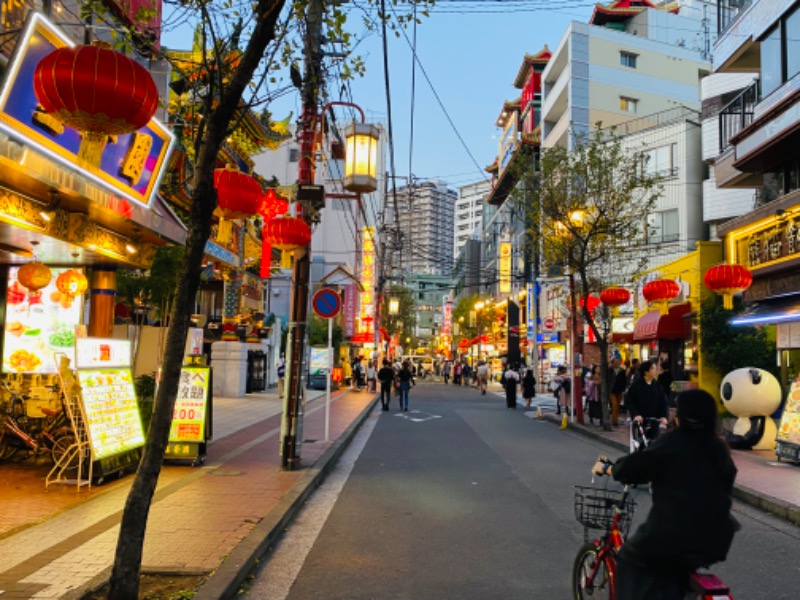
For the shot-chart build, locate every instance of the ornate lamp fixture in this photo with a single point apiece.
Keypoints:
(361, 157)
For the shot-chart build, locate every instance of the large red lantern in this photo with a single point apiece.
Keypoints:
(96, 91)
(286, 234)
(660, 292)
(238, 197)
(728, 280)
(591, 303)
(615, 297)
(272, 206)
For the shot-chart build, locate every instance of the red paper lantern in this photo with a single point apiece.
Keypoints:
(34, 276)
(728, 280)
(286, 234)
(614, 297)
(272, 205)
(97, 91)
(238, 194)
(592, 303)
(660, 292)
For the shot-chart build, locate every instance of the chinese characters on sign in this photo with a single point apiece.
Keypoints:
(189, 416)
(776, 239)
(505, 267)
(367, 274)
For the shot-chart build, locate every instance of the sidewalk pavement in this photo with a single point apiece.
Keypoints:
(217, 519)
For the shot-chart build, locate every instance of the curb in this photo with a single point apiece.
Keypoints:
(225, 581)
(779, 508)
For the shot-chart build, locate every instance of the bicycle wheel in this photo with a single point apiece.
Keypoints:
(590, 579)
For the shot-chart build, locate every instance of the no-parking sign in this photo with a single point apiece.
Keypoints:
(326, 303)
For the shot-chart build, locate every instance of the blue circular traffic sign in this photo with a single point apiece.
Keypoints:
(326, 303)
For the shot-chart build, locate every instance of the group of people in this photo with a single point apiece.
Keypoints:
(398, 377)
(461, 371)
(514, 375)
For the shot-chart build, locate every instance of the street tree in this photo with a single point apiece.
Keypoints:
(405, 319)
(244, 51)
(587, 209)
(470, 320)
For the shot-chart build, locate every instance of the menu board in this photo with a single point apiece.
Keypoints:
(789, 430)
(189, 416)
(38, 325)
(111, 409)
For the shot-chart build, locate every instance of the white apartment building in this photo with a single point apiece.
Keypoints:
(622, 64)
(469, 213)
(425, 222)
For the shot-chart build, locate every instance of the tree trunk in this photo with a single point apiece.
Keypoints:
(124, 582)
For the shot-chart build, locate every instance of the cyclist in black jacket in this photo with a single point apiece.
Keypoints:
(690, 523)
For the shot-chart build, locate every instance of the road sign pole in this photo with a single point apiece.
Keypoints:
(328, 383)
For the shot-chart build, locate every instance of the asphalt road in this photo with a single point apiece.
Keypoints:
(464, 498)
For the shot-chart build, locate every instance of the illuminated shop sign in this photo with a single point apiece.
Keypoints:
(131, 164)
(766, 242)
(505, 267)
(368, 273)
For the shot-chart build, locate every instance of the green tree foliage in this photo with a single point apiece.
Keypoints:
(588, 210)
(726, 348)
(406, 318)
(470, 320)
(318, 332)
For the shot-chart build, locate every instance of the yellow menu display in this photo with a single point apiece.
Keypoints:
(189, 416)
(789, 430)
(112, 412)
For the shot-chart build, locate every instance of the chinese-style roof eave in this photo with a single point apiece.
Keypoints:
(508, 180)
(540, 58)
(509, 107)
(622, 10)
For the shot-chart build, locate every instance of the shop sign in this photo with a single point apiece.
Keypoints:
(530, 299)
(189, 415)
(350, 310)
(772, 241)
(102, 353)
(131, 165)
(221, 253)
(447, 321)
(788, 336)
(554, 305)
(622, 325)
(368, 272)
(504, 249)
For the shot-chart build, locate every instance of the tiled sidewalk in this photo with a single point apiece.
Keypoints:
(198, 517)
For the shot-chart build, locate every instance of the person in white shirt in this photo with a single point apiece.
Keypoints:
(483, 376)
(512, 379)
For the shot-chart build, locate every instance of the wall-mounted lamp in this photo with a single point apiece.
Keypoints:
(361, 157)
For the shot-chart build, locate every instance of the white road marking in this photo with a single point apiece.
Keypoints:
(275, 580)
(417, 416)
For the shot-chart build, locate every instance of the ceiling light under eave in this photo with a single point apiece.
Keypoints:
(131, 249)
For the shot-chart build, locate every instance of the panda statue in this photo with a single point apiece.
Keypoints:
(751, 395)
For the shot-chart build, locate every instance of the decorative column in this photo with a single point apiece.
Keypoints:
(103, 296)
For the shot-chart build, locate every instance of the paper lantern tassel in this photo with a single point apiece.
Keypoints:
(286, 259)
(224, 231)
(266, 259)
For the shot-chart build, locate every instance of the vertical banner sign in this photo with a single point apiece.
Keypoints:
(367, 274)
(513, 332)
(530, 298)
(504, 261)
(447, 325)
(350, 310)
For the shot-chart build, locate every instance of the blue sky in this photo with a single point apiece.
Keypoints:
(471, 58)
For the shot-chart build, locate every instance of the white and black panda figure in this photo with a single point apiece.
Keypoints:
(752, 395)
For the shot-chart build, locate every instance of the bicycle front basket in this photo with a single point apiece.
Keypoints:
(594, 508)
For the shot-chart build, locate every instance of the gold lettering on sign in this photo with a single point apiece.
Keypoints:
(135, 157)
(753, 251)
(47, 121)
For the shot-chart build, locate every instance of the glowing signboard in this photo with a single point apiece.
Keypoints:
(189, 415)
(504, 261)
(22, 119)
(368, 272)
(111, 409)
(97, 353)
(38, 325)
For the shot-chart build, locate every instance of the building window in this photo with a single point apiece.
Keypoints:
(628, 105)
(793, 43)
(294, 154)
(661, 162)
(627, 59)
(771, 63)
(663, 227)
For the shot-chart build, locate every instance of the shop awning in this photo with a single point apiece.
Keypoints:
(766, 312)
(655, 326)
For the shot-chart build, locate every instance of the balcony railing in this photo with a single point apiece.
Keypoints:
(737, 114)
(727, 11)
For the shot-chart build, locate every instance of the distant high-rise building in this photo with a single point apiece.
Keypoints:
(469, 212)
(425, 221)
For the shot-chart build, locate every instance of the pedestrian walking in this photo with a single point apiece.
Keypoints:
(528, 388)
(446, 372)
(617, 382)
(512, 379)
(457, 373)
(386, 379)
(371, 375)
(281, 371)
(406, 378)
(482, 373)
(563, 387)
(592, 389)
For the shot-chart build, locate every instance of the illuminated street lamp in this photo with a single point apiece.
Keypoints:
(394, 306)
(361, 157)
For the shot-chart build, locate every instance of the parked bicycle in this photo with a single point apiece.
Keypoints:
(594, 574)
(50, 434)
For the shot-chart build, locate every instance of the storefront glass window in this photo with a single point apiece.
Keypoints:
(771, 62)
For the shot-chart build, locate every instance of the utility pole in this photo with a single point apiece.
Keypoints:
(292, 422)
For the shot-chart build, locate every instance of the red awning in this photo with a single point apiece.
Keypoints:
(655, 326)
(479, 340)
(363, 337)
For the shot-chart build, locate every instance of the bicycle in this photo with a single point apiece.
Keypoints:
(644, 433)
(594, 573)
